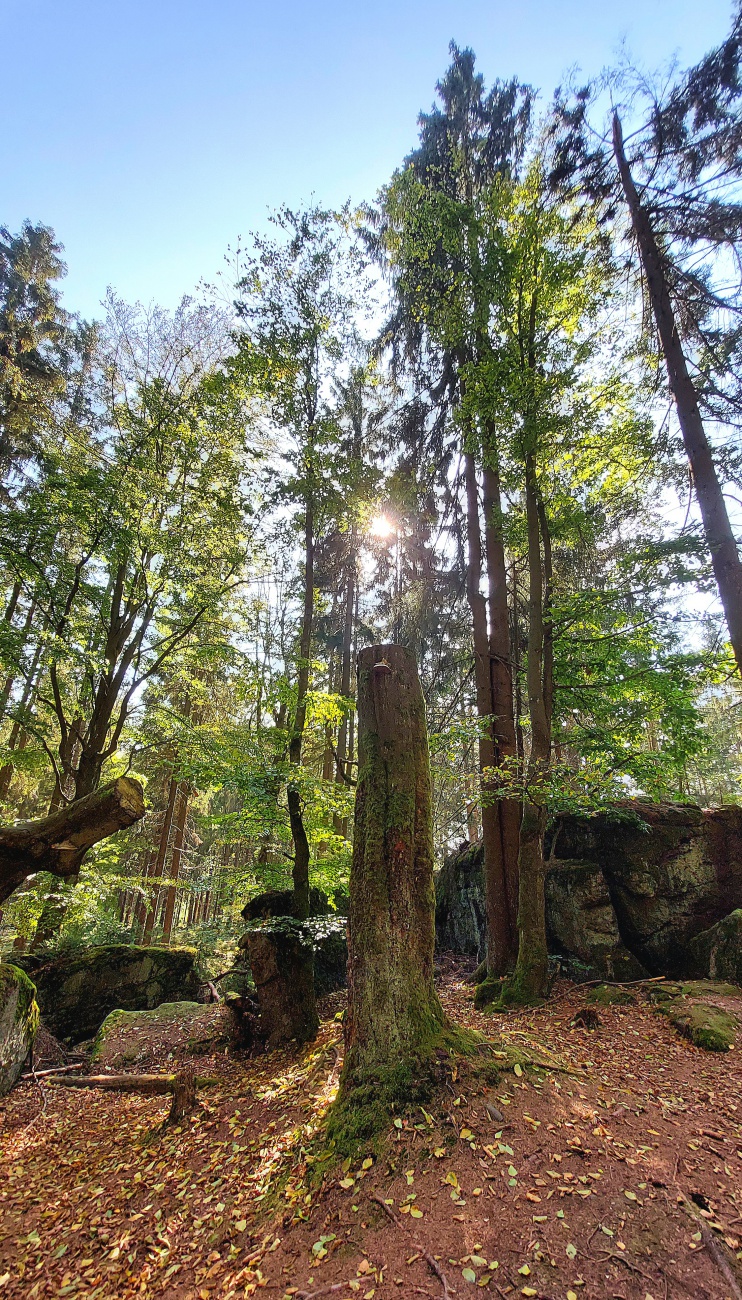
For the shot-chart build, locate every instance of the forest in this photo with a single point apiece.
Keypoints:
(371, 728)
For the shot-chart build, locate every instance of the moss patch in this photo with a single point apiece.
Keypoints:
(503, 995)
(703, 1024)
(607, 995)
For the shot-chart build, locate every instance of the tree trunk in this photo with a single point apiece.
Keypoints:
(393, 1012)
(503, 715)
(180, 825)
(300, 872)
(716, 526)
(157, 870)
(59, 843)
(500, 938)
(529, 982)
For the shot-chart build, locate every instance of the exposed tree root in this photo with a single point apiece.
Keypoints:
(432, 1263)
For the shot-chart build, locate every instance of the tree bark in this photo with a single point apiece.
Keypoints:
(393, 1012)
(180, 825)
(157, 870)
(500, 937)
(501, 679)
(530, 978)
(300, 871)
(58, 843)
(716, 525)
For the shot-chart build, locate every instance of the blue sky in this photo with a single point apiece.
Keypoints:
(151, 135)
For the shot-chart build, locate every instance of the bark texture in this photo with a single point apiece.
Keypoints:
(393, 1012)
(58, 843)
(716, 525)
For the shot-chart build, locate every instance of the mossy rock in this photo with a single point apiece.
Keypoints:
(607, 995)
(76, 992)
(703, 1024)
(177, 1028)
(717, 952)
(19, 1020)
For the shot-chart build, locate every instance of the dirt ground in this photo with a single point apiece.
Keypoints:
(619, 1177)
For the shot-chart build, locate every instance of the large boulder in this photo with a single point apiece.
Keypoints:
(281, 902)
(76, 993)
(19, 1019)
(174, 1029)
(582, 923)
(460, 918)
(716, 953)
(666, 872)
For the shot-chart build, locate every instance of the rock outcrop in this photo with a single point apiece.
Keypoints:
(627, 892)
(76, 993)
(716, 953)
(19, 1019)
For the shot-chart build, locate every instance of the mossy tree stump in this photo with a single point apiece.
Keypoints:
(394, 1016)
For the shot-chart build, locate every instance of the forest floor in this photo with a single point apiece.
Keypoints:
(620, 1177)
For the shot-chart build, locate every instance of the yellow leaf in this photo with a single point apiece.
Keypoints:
(517, 1070)
(367, 1163)
(524, 1270)
(415, 1213)
(466, 1135)
(241, 1224)
(345, 1183)
(439, 1153)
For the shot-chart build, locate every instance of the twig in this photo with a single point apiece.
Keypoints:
(613, 1254)
(715, 1250)
(56, 1069)
(325, 1290)
(432, 1263)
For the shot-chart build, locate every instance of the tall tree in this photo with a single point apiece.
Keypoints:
(431, 232)
(676, 182)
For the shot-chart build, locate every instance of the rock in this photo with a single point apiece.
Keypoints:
(581, 922)
(280, 902)
(175, 1028)
(628, 892)
(282, 965)
(672, 871)
(460, 919)
(76, 993)
(608, 996)
(19, 1020)
(328, 938)
(717, 952)
(703, 1023)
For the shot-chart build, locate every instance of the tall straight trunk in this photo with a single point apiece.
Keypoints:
(503, 716)
(716, 525)
(180, 825)
(500, 937)
(18, 737)
(300, 872)
(159, 864)
(346, 666)
(531, 972)
(10, 679)
(394, 1015)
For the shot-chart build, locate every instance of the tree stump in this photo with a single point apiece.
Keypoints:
(282, 965)
(394, 1015)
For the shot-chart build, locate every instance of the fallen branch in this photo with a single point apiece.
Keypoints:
(181, 1086)
(325, 1290)
(55, 1069)
(58, 843)
(429, 1260)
